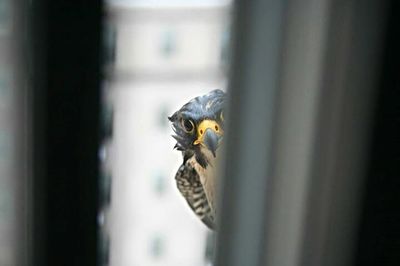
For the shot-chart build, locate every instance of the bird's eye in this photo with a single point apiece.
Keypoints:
(187, 125)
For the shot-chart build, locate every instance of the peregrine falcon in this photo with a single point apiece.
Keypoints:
(198, 128)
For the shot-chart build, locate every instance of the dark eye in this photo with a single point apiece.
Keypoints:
(187, 125)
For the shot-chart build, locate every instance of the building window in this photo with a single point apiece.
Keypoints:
(225, 49)
(163, 117)
(159, 183)
(104, 249)
(168, 44)
(105, 188)
(107, 121)
(157, 246)
(109, 44)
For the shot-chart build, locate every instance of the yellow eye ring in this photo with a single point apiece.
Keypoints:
(187, 125)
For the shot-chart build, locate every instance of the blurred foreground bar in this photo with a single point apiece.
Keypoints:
(302, 92)
(15, 174)
(66, 43)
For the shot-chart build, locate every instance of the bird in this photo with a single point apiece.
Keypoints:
(198, 128)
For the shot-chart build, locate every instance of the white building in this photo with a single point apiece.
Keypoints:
(161, 54)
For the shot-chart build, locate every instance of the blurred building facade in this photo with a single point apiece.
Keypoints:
(159, 55)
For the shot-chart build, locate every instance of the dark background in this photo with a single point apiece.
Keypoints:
(66, 39)
(379, 235)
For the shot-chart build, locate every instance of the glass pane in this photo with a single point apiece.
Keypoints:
(159, 56)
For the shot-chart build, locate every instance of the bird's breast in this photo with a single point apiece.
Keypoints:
(208, 175)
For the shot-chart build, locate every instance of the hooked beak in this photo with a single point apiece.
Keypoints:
(209, 133)
(210, 140)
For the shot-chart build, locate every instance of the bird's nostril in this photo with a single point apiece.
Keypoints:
(216, 128)
(201, 131)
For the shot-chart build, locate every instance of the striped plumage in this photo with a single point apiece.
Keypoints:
(198, 128)
(189, 185)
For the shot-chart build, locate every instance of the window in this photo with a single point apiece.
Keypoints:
(109, 42)
(168, 43)
(166, 54)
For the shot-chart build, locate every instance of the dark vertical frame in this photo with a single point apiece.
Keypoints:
(349, 84)
(66, 76)
(346, 82)
(379, 233)
(254, 82)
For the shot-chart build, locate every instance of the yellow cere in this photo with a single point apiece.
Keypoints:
(203, 126)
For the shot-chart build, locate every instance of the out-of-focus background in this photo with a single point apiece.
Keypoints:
(159, 55)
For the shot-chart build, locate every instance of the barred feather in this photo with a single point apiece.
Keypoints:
(188, 183)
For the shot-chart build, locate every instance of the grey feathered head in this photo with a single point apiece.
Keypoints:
(199, 123)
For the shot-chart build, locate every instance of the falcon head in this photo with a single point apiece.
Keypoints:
(199, 126)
